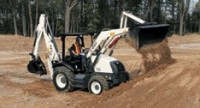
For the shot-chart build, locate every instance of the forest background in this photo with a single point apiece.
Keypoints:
(20, 17)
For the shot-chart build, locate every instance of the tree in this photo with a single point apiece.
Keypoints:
(196, 15)
(69, 4)
(151, 7)
(36, 13)
(23, 14)
(183, 10)
(30, 18)
(13, 5)
(92, 16)
(173, 5)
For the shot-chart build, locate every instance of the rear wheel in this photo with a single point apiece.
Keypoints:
(97, 84)
(62, 79)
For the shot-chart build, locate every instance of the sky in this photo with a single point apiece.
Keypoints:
(192, 6)
(194, 1)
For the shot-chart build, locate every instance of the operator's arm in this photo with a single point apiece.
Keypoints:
(74, 53)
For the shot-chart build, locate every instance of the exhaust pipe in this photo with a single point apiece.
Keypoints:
(144, 35)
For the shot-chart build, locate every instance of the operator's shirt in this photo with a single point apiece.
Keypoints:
(76, 48)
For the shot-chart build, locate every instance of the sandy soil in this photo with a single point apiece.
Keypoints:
(166, 86)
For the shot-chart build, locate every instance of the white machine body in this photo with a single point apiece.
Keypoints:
(103, 63)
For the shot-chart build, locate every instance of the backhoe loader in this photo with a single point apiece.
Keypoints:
(93, 69)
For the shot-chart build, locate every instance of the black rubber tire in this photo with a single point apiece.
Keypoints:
(100, 81)
(127, 77)
(68, 76)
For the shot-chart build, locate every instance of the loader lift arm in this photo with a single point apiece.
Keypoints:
(144, 34)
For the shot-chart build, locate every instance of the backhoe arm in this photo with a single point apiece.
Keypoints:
(43, 31)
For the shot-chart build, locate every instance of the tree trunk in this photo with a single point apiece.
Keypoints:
(52, 25)
(56, 29)
(151, 11)
(121, 5)
(199, 26)
(181, 16)
(82, 13)
(14, 16)
(15, 24)
(116, 9)
(173, 16)
(67, 19)
(69, 4)
(24, 21)
(181, 25)
(165, 20)
(36, 14)
(183, 10)
(158, 18)
(30, 17)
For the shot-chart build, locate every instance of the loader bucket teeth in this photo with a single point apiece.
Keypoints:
(145, 35)
(36, 67)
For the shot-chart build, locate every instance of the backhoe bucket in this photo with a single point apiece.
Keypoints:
(145, 35)
(36, 67)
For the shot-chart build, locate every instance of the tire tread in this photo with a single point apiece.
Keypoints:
(68, 73)
(101, 80)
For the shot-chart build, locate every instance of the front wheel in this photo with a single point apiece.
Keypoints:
(97, 84)
(62, 79)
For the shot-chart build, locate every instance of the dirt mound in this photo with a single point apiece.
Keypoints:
(156, 55)
(155, 58)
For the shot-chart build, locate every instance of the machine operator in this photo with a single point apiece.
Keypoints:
(76, 48)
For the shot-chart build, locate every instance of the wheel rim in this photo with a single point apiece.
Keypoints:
(61, 80)
(96, 87)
